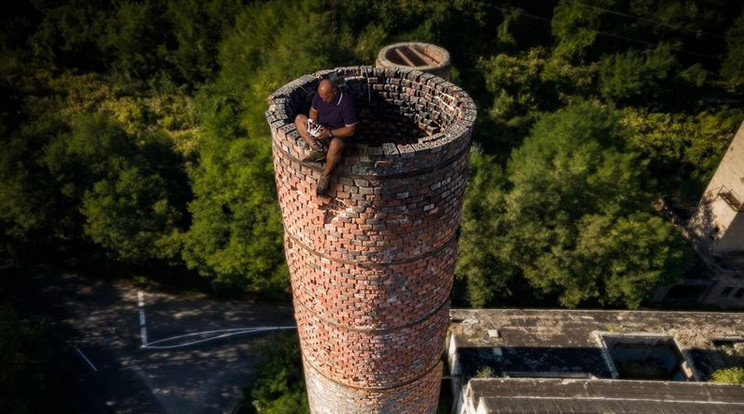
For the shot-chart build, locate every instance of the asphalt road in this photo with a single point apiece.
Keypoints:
(95, 330)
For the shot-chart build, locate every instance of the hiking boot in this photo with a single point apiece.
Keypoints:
(323, 186)
(315, 156)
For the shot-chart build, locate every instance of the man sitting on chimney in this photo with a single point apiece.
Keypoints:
(328, 129)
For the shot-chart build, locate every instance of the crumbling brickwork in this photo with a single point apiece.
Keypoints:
(372, 264)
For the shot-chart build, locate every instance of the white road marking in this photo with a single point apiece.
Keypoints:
(142, 320)
(86, 359)
(219, 333)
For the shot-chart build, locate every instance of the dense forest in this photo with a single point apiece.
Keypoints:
(133, 135)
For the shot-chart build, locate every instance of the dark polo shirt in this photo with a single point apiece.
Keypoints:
(337, 114)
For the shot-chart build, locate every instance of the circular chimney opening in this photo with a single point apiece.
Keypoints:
(392, 108)
(425, 57)
(406, 117)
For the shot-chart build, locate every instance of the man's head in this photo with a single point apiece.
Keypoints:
(328, 91)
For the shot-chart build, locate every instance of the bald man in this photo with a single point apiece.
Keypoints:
(336, 113)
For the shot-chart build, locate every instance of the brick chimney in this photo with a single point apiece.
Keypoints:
(372, 264)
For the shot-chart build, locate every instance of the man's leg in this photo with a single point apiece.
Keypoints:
(333, 157)
(301, 125)
(335, 152)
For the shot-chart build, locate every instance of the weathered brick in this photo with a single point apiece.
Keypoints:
(372, 265)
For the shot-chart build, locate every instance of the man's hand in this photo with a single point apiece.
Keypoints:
(311, 142)
(325, 134)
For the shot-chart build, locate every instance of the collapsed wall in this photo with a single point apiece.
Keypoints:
(372, 263)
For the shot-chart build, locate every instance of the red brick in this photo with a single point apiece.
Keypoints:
(372, 265)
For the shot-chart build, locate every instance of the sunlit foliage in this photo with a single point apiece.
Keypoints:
(134, 131)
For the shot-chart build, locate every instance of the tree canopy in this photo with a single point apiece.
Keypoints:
(134, 131)
(572, 216)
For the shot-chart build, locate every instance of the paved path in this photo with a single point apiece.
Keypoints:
(96, 333)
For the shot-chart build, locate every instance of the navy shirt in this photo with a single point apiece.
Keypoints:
(337, 114)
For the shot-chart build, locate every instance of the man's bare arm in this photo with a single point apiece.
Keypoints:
(343, 132)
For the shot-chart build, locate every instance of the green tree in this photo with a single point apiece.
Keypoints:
(578, 199)
(26, 385)
(66, 134)
(365, 46)
(134, 39)
(271, 44)
(419, 20)
(732, 68)
(33, 208)
(628, 257)
(575, 27)
(634, 75)
(70, 33)
(519, 90)
(479, 264)
(279, 387)
(128, 189)
(119, 186)
(236, 232)
(734, 375)
(197, 28)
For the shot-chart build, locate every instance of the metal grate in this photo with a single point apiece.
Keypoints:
(734, 200)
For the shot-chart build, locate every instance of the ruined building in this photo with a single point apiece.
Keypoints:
(716, 230)
(719, 220)
(372, 264)
(547, 361)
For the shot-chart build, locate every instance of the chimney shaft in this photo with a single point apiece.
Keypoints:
(372, 264)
